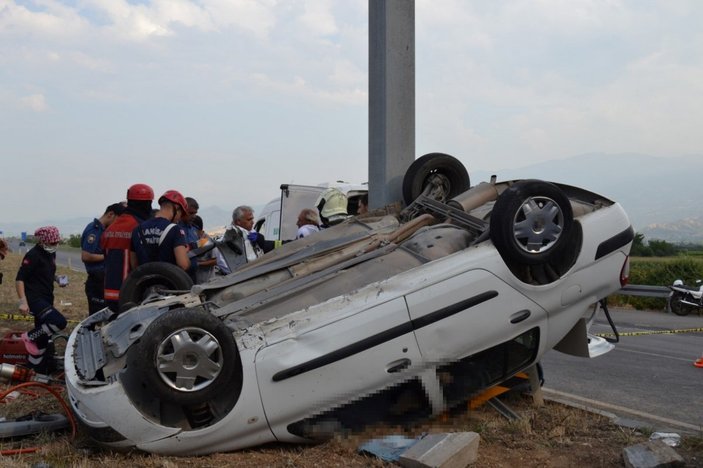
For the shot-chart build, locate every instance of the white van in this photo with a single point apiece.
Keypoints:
(277, 220)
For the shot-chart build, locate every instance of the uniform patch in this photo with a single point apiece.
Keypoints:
(91, 238)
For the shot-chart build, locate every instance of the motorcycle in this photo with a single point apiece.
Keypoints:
(683, 299)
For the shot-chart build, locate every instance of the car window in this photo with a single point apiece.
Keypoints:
(488, 367)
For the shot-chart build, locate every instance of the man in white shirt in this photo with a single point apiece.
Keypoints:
(243, 220)
(308, 222)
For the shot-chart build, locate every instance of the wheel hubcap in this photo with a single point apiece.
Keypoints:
(189, 359)
(538, 224)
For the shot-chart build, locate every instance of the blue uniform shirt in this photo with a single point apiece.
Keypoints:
(90, 242)
(146, 241)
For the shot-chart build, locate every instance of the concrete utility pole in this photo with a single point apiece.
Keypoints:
(391, 98)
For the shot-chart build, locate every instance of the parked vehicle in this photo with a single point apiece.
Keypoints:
(683, 299)
(386, 317)
(278, 217)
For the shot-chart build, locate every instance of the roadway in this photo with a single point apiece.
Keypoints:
(648, 380)
(65, 256)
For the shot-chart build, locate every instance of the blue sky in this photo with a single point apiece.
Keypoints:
(225, 100)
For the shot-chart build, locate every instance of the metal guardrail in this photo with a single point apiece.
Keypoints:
(645, 290)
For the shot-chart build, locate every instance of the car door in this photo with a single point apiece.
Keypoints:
(331, 365)
(468, 313)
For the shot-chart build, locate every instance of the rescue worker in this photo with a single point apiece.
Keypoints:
(308, 223)
(35, 290)
(162, 239)
(332, 205)
(93, 256)
(117, 239)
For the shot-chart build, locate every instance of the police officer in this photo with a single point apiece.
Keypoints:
(93, 256)
(117, 238)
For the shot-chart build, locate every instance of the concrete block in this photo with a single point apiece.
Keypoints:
(447, 450)
(651, 454)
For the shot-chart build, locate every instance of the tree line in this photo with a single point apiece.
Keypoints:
(661, 248)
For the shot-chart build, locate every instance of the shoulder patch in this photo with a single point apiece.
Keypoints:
(26, 261)
(91, 238)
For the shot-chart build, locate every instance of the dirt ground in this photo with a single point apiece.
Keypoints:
(551, 436)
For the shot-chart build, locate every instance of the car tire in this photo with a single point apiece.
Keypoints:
(187, 357)
(450, 169)
(676, 306)
(149, 277)
(531, 222)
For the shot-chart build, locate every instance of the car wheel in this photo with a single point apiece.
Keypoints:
(437, 169)
(676, 306)
(187, 357)
(150, 278)
(530, 222)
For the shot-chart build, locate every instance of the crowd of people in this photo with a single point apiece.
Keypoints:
(129, 234)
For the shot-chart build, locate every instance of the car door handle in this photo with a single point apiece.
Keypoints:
(397, 366)
(518, 317)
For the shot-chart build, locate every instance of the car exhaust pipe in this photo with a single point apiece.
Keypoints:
(475, 197)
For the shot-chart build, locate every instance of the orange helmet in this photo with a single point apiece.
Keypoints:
(175, 197)
(140, 192)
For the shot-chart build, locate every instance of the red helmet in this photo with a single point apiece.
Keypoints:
(140, 192)
(175, 197)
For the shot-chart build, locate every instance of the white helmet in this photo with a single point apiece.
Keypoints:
(332, 202)
(678, 282)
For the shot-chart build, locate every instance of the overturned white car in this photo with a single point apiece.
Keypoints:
(389, 317)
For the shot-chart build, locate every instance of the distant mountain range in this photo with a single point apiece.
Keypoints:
(662, 196)
(689, 230)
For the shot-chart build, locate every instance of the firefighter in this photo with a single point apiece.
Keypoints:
(117, 238)
(161, 238)
(332, 205)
